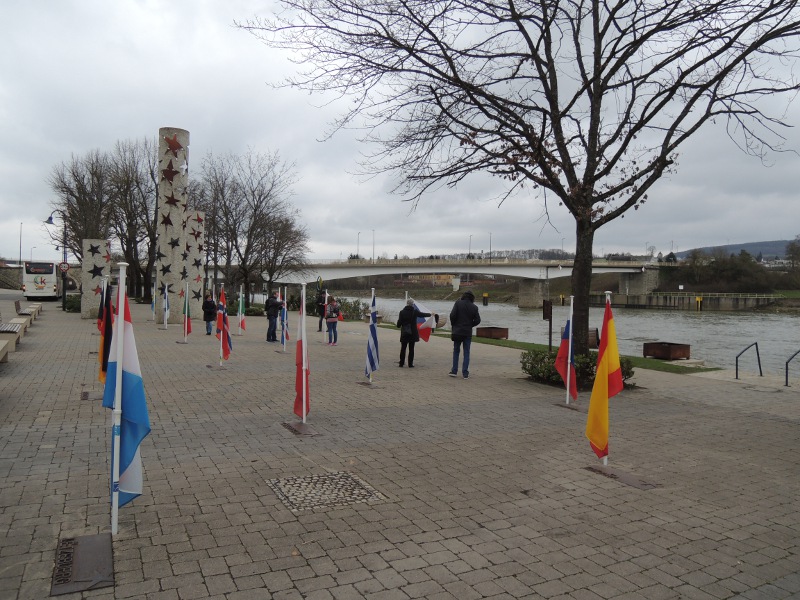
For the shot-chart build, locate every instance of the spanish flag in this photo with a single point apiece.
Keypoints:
(607, 383)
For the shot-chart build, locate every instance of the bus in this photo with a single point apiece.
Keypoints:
(41, 280)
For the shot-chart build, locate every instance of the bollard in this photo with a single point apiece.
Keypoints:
(562, 299)
(486, 299)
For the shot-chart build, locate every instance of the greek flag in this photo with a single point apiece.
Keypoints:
(373, 361)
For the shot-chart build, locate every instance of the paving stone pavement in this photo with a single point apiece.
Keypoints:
(481, 487)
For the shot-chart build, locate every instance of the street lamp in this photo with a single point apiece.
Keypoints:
(562, 247)
(64, 248)
(490, 247)
(358, 245)
(32, 247)
(373, 246)
(469, 251)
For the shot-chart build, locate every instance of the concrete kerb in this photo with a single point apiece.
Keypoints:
(483, 483)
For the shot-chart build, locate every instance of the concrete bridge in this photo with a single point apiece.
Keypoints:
(635, 278)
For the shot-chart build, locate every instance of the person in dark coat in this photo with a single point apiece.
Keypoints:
(409, 332)
(209, 313)
(463, 318)
(273, 308)
(322, 301)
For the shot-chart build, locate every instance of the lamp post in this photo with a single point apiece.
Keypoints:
(562, 247)
(490, 247)
(64, 249)
(373, 246)
(358, 245)
(32, 247)
(469, 250)
(20, 244)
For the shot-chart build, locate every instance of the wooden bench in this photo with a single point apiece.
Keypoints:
(3, 351)
(17, 326)
(25, 312)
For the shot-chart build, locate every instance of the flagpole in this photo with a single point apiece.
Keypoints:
(186, 315)
(371, 317)
(166, 307)
(117, 411)
(569, 346)
(325, 317)
(284, 324)
(239, 312)
(221, 322)
(304, 372)
(608, 302)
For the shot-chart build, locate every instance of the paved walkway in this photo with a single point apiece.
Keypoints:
(472, 489)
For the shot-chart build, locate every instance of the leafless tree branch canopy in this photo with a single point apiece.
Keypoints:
(589, 101)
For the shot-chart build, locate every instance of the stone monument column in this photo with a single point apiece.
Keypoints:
(96, 266)
(173, 184)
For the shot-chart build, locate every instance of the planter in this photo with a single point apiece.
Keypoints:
(495, 333)
(666, 350)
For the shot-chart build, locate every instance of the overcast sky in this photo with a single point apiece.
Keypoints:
(78, 75)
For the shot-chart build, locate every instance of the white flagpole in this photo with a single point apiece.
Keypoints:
(324, 317)
(186, 314)
(305, 346)
(371, 304)
(166, 304)
(569, 346)
(238, 311)
(608, 301)
(118, 335)
(221, 321)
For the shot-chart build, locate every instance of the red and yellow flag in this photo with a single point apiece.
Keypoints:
(607, 383)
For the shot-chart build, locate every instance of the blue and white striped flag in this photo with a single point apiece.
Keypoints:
(373, 361)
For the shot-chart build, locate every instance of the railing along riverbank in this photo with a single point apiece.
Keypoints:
(693, 301)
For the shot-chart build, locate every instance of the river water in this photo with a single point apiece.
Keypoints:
(715, 337)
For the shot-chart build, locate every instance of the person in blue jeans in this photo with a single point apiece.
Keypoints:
(463, 318)
(332, 320)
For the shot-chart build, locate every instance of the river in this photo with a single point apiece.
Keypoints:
(715, 337)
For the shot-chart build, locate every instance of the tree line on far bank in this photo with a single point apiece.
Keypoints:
(251, 224)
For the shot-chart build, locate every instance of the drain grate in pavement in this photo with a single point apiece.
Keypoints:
(323, 491)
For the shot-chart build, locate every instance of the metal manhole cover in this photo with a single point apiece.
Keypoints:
(323, 491)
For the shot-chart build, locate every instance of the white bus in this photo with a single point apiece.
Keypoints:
(41, 280)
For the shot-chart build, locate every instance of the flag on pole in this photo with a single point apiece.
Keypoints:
(607, 383)
(565, 359)
(106, 321)
(223, 327)
(135, 423)
(284, 322)
(187, 315)
(240, 312)
(425, 325)
(102, 302)
(373, 359)
(302, 404)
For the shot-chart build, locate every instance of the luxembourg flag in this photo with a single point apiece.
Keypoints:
(426, 325)
(134, 425)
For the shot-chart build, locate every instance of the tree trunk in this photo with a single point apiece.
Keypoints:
(581, 286)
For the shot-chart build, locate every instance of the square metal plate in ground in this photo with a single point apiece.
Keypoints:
(83, 563)
(323, 491)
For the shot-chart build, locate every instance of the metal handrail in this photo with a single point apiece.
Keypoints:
(758, 356)
(787, 366)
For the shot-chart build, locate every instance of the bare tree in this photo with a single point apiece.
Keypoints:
(84, 203)
(246, 198)
(285, 246)
(134, 190)
(582, 102)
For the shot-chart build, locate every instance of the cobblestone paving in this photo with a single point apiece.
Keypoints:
(481, 485)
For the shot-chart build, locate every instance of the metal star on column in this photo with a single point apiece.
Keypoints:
(174, 242)
(184, 273)
(96, 271)
(174, 145)
(182, 293)
(97, 290)
(166, 269)
(162, 288)
(198, 279)
(198, 218)
(198, 263)
(195, 234)
(197, 294)
(169, 173)
(107, 256)
(160, 255)
(185, 255)
(166, 220)
(171, 200)
(94, 250)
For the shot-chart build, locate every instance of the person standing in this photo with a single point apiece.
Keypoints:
(463, 318)
(273, 308)
(209, 312)
(332, 320)
(409, 332)
(322, 301)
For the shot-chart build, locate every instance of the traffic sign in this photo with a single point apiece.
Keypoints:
(64, 266)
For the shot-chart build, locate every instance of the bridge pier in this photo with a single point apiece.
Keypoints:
(532, 292)
(638, 283)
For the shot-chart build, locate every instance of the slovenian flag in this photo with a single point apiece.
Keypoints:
(223, 328)
(135, 423)
(426, 325)
(241, 313)
(565, 350)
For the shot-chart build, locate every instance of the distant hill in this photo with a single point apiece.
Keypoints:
(767, 249)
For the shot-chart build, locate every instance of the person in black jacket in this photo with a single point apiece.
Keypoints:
(463, 318)
(273, 308)
(409, 332)
(209, 312)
